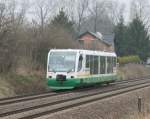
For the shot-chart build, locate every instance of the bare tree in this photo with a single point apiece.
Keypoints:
(141, 8)
(97, 11)
(115, 10)
(70, 8)
(43, 10)
(82, 8)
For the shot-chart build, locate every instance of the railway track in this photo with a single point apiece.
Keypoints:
(10, 100)
(72, 101)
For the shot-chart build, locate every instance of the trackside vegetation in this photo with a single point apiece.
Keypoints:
(132, 39)
(129, 59)
(14, 84)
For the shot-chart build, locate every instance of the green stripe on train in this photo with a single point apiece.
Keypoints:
(76, 82)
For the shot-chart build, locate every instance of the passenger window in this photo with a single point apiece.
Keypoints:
(91, 64)
(109, 65)
(87, 61)
(80, 62)
(102, 65)
(114, 62)
(95, 65)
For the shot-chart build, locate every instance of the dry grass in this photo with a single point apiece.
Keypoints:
(25, 81)
(12, 84)
(6, 89)
(131, 71)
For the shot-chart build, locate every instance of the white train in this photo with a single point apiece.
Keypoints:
(69, 68)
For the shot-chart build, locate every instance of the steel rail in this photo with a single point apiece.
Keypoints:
(10, 100)
(140, 85)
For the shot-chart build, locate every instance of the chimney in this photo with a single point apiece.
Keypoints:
(99, 35)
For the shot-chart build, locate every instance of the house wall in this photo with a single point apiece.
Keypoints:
(90, 42)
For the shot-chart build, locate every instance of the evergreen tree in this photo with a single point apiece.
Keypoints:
(120, 40)
(62, 20)
(138, 39)
(132, 39)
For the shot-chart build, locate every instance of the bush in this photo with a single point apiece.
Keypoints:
(22, 85)
(133, 71)
(129, 59)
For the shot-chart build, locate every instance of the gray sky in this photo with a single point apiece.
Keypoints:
(126, 9)
(145, 3)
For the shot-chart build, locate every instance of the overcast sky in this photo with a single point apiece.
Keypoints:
(146, 4)
(126, 9)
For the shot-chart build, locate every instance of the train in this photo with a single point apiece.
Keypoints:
(71, 68)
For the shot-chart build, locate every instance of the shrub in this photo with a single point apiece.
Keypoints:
(129, 59)
(22, 85)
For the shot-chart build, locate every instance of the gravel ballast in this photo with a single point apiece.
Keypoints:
(123, 106)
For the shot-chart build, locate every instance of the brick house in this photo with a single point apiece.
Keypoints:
(97, 41)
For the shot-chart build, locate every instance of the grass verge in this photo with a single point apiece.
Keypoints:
(13, 84)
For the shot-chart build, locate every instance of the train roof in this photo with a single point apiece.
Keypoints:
(88, 52)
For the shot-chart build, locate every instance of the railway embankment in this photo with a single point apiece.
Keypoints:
(132, 71)
(124, 106)
(14, 84)
(38, 106)
(17, 84)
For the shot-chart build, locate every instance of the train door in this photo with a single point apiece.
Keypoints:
(80, 63)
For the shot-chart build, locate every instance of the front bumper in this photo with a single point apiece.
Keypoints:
(67, 84)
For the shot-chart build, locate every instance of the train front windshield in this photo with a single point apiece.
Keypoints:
(62, 62)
